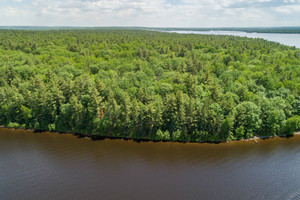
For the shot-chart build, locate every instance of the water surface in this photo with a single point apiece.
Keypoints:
(286, 39)
(53, 166)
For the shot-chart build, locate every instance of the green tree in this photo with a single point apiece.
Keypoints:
(248, 117)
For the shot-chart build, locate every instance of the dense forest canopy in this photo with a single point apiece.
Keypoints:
(148, 85)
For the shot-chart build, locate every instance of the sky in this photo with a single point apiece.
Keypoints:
(150, 13)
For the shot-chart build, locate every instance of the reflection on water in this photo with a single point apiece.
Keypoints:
(287, 39)
(53, 166)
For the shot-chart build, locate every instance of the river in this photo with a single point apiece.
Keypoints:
(62, 166)
(286, 39)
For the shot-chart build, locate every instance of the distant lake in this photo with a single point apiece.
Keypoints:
(287, 39)
(53, 166)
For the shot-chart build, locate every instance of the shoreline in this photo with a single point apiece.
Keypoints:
(138, 140)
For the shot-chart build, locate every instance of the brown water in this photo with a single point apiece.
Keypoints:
(53, 166)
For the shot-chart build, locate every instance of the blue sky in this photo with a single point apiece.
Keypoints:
(152, 13)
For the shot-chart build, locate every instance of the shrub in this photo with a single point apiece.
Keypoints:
(13, 125)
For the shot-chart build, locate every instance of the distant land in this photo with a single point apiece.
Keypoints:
(295, 30)
(287, 29)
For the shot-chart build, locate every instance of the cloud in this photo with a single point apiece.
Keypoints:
(184, 13)
(8, 11)
(289, 9)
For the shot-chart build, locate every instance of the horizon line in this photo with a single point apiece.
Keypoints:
(120, 26)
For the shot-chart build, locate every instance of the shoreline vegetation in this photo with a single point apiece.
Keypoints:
(147, 85)
(98, 137)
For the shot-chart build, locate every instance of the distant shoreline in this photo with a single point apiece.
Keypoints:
(98, 137)
(278, 30)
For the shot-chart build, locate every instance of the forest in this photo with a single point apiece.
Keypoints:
(148, 85)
